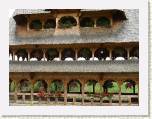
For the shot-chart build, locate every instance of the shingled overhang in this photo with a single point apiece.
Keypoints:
(75, 66)
(128, 32)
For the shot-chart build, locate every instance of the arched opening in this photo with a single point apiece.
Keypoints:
(110, 86)
(52, 53)
(86, 22)
(129, 87)
(36, 24)
(74, 86)
(101, 53)
(12, 86)
(119, 53)
(134, 53)
(40, 85)
(118, 15)
(22, 55)
(36, 55)
(84, 53)
(21, 20)
(50, 23)
(56, 90)
(68, 54)
(24, 86)
(56, 86)
(92, 87)
(103, 22)
(67, 22)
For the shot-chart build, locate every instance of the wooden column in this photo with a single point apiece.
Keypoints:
(28, 57)
(28, 25)
(77, 19)
(48, 90)
(13, 55)
(60, 54)
(110, 53)
(44, 56)
(95, 24)
(101, 86)
(76, 54)
(23, 97)
(137, 83)
(128, 53)
(32, 91)
(119, 84)
(111, 22)
(16, 89)
(43, 24)
(93, 51)
(82, 89)
(57, 24)
(65, 92)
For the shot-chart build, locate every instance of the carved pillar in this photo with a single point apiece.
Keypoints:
(48, 91)
(23, 97)
(32, 91)
(78, 23)
(44, 56)
(65, 91)
(119, 84)
(111, 22)
(76, 54)
(82, 89)
(13, 55)
(101, 86)
(128, 53)
(57, 24)
(16, 89)
(60, 54)
(110, 53)
(93, 51)
(137, 83)
(28, 25)
(28, 53)
(95, 23)
(43, 22)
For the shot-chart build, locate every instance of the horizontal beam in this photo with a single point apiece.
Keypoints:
(75, 66)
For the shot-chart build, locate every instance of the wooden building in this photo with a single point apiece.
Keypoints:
(74, 57)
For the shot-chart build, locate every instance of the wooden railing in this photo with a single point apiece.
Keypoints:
(73, 99)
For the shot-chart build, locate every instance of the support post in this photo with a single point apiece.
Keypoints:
(65, 92)
(93, 51)
(16, 89)
(13, 55)
(48, 91)
(44, 56)
(77, 19)
(28, 25)
(95, 23)
(82, 92)
(128, 53)
(43, 24)
(101, 86)
(23, 98)
(32, 87)
(119, 84)
(60, 54)
(28, 57)
(57, 25)
(110, 53)
(76, 54)
(137, 83)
